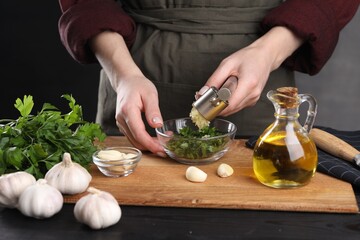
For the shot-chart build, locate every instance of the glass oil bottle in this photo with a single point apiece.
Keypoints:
(284, 155)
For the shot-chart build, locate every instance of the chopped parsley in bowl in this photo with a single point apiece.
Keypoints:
(188, 144)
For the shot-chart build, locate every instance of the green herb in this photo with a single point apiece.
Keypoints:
(35, 143)
(197, 144)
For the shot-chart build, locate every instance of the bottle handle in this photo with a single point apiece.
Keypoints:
(312, 110)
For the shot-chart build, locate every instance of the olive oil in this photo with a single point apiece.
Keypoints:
(284, 155)
(284, 161)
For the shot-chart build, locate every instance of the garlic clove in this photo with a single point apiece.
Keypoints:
(40, 200)
(12, 185)
(98, 209)
(195, 174)
(111, 155)
(225, 170)
(130, 155)
(68, 177)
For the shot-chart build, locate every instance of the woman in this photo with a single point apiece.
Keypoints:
(156, 54)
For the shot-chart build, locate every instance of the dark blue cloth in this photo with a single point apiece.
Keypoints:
(331, 165)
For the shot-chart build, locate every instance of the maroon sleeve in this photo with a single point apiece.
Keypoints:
(318, 22)
(83, 19)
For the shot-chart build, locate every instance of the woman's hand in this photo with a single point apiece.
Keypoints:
(135, 93)
(252, 66)
(134, 96)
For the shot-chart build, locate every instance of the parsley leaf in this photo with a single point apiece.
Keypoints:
(24, 106)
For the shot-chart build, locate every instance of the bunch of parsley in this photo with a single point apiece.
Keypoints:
(35, 143)
(197, 144)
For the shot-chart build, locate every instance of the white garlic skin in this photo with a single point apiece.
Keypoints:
(195, 174)
(12, 185)
(68, 177)
(98, 209)
(225, 170)
(40, 200)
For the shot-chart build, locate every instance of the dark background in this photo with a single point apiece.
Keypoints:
(34, 62)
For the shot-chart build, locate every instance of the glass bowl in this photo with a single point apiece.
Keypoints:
(117, 161)
(191, 150)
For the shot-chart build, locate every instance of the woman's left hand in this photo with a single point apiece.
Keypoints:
(252, 66)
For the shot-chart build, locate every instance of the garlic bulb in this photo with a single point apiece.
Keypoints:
(68, 177)
(40, 200)
(12, 185)
(98, 209)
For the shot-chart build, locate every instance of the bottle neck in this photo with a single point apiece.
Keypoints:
(287, 113)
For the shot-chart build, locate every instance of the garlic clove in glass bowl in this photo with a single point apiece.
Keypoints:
(117, 161)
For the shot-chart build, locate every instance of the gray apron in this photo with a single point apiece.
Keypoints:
(178, 46)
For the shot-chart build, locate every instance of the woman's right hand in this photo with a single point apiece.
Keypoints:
(135, 93)
(136, 96)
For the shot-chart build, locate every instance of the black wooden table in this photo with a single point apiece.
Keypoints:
(185, 223)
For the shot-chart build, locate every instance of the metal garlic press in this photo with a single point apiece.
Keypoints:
(214, 100)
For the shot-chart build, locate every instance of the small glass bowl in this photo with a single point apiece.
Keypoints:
(117, 166)
(195, 151)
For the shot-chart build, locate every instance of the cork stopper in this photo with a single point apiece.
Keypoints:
(288, 97)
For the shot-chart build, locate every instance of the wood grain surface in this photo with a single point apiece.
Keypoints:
(161, 182)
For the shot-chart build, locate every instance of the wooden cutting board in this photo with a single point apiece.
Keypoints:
(161, 182)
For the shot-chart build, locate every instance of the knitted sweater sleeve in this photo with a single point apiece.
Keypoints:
(83, 19)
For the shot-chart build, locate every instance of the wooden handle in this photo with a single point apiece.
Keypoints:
(333, 145)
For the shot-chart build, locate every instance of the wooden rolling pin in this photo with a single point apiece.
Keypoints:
(335, 146)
